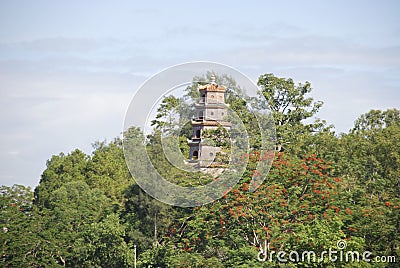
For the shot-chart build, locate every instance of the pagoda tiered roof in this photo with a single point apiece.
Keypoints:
(213, 87)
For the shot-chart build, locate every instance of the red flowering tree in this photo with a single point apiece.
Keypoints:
(298, 207)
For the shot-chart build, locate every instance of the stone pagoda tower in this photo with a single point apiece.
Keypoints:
(209, 114)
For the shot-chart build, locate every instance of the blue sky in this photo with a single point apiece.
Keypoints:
(68, 70)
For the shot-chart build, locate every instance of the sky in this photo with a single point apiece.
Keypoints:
(69, 69)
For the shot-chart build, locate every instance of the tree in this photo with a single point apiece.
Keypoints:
(71, 208)
(290, 107)
(164, 112)
(298, 208)
(107, 171)
(103, 245)
(147, 218)
(88, 212)
(19, 244)
(370, 167)
(60, 170)
(376, 120)
(171, 113)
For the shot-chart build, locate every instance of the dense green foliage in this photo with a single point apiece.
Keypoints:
(87, 210)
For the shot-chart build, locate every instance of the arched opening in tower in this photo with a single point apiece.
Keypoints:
(203, 98)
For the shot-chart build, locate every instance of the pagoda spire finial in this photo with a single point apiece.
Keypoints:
(212, 78)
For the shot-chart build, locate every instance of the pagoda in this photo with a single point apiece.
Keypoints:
(210, 112)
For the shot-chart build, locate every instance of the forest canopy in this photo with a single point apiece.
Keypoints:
(323, 187)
